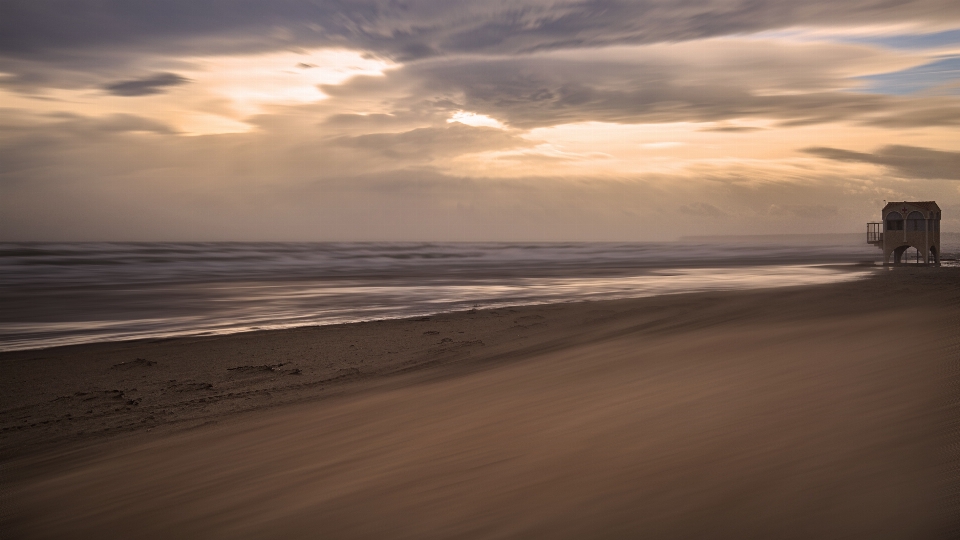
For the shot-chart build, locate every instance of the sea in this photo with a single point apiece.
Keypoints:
(54, 294)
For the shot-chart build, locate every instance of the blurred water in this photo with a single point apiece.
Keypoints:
(57, 294)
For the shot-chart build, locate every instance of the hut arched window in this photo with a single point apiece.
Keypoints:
(894, 221)
(915, 222)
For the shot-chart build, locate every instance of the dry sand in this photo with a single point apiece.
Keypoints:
(813, 412)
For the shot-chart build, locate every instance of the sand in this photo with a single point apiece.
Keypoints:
(806, 412)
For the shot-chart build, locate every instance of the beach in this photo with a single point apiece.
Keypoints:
(427, 270)
(818, 411)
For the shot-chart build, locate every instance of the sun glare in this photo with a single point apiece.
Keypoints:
(474, 119)
(251, 82)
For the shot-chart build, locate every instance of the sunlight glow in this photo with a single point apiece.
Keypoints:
(250, 83)
(474, 119)
(220, 94)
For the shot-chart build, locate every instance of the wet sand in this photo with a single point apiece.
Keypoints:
(805, 412)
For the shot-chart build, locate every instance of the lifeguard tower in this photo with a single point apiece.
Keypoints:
(907, 225)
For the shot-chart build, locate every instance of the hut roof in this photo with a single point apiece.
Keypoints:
(929, 206)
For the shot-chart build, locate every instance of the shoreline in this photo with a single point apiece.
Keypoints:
(809, 364)
(646, 279)
(122, 357)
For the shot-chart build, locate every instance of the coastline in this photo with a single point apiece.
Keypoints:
(332, 302)
(706, 359)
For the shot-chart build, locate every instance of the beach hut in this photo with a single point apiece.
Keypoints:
(905, 225)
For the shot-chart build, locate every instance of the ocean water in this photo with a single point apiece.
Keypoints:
(59, 294)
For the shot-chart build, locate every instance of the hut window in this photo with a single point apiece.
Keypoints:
(894, 221)
(915, 222)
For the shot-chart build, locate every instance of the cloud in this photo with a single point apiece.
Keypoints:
(370, 154)
(908, 161)
(572, 67)
(65, 180)
(717, 80)
(804, 211)
(420, 28)
(702, 209)
(922, 112)
(154, 84)
(733, 129)
(119, 123)
(424, 144)
(66, 43)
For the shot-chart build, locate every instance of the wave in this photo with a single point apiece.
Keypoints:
(66, 293)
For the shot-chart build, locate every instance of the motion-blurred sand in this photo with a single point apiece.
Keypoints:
(815, 412)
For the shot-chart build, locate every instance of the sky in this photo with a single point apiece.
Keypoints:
(446, 120)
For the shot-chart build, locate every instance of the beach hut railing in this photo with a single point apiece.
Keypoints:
(875, 233)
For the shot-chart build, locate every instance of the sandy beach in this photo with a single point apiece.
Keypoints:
(824, 411)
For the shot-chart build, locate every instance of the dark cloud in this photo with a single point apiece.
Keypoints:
(909, 161)
(938, 111)
(119, 123)
(418, 28)
(81, 43)
(545, 90)
(154, 84)
(377, 122)
(734, 129)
